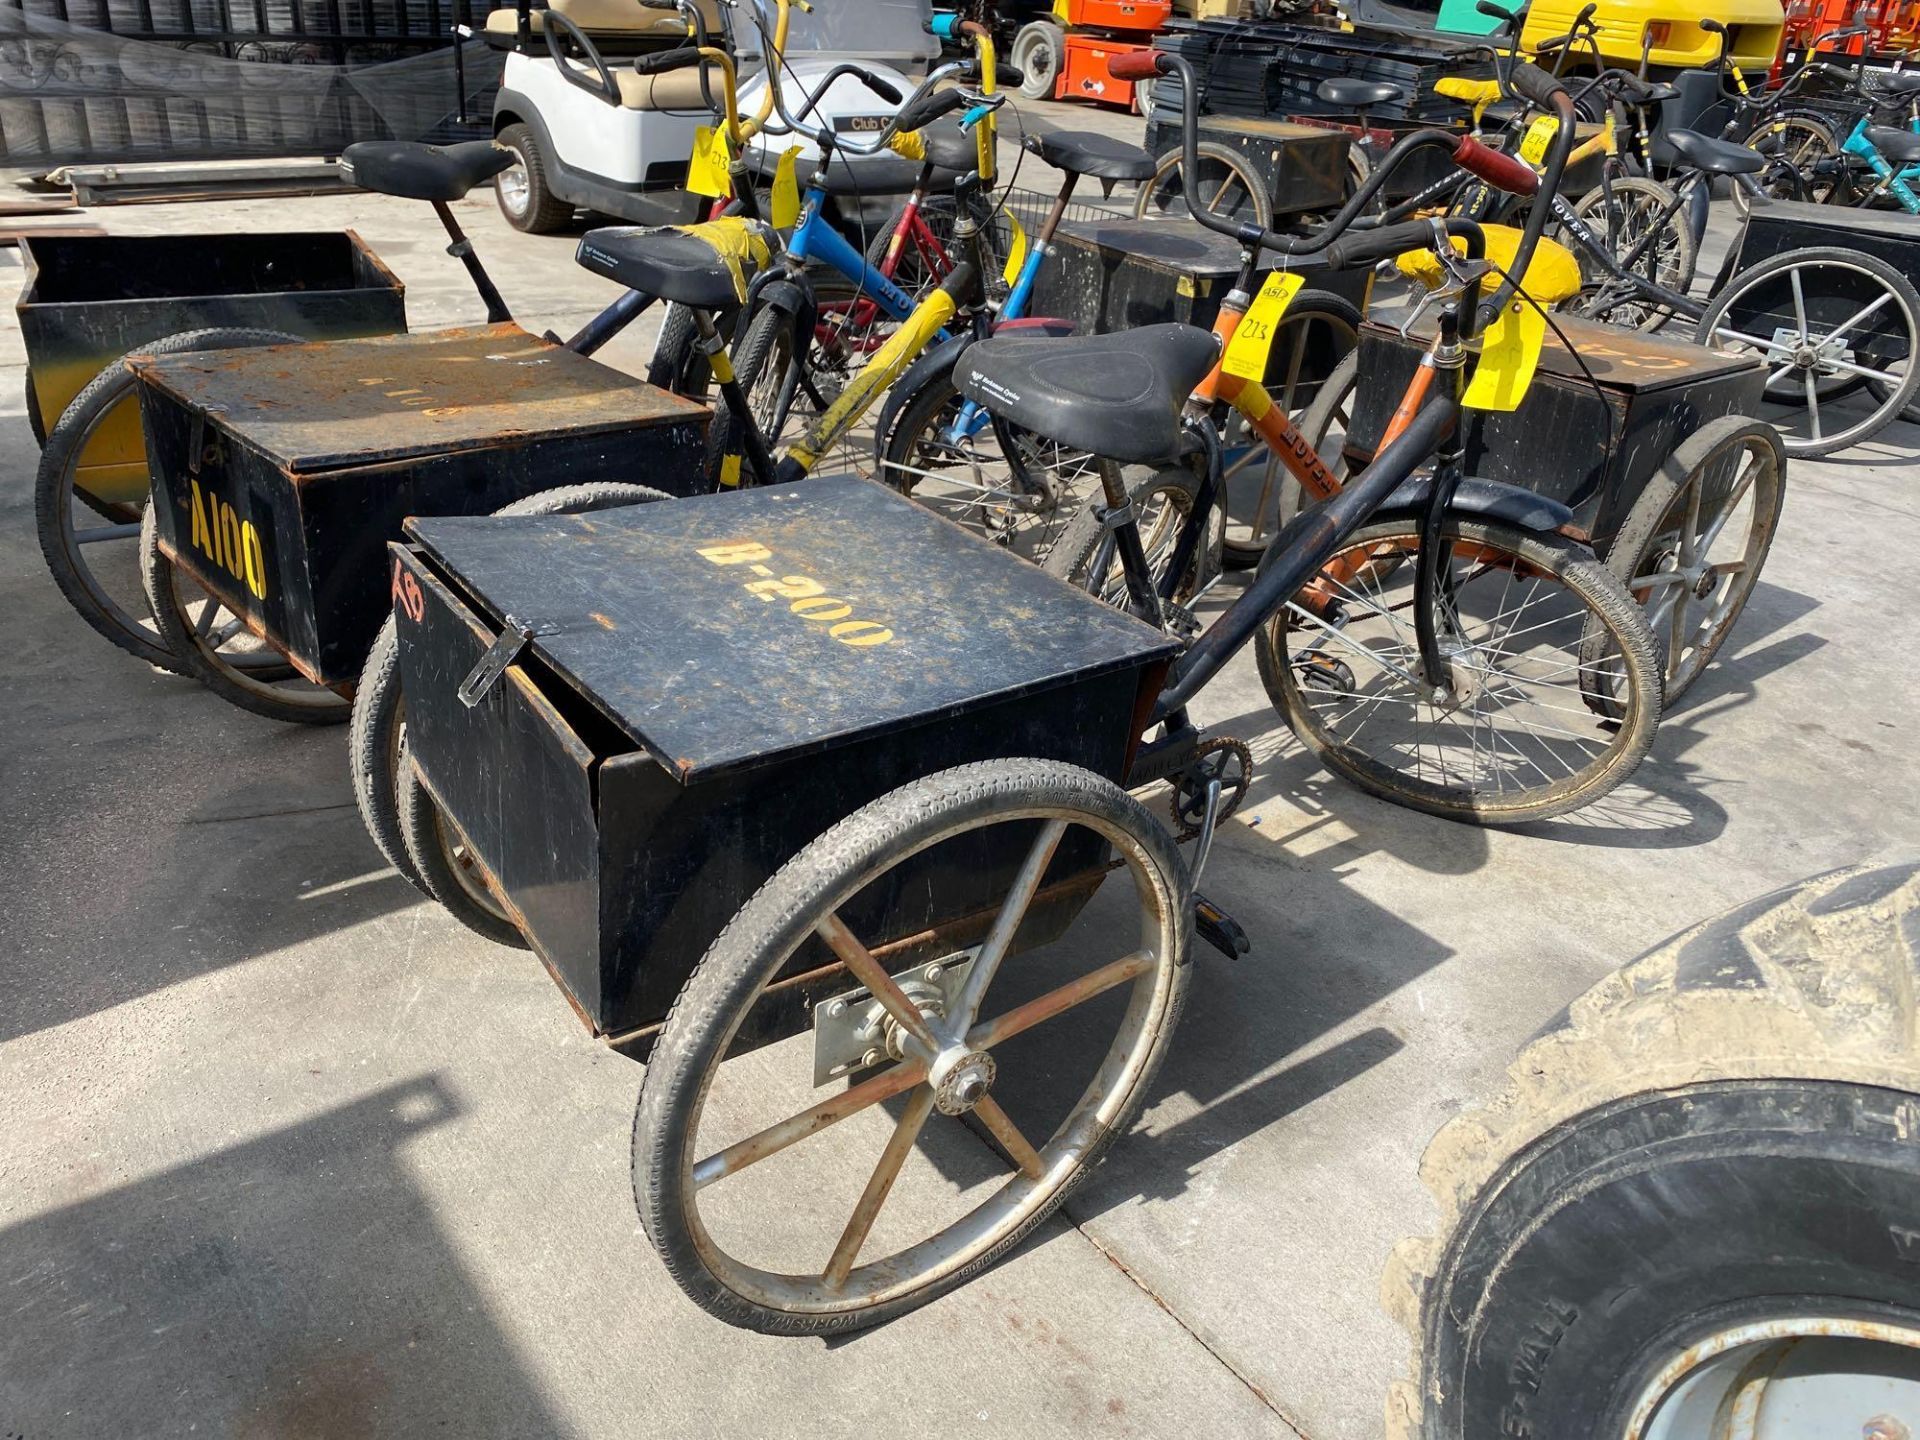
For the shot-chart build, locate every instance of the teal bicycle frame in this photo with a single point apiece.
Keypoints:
(1897, 183)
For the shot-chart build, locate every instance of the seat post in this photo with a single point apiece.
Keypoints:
(462, 250)
(1059, 210)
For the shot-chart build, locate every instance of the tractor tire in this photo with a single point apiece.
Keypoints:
(1695, 1197)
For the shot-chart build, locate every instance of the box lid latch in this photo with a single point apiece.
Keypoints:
(513, 638)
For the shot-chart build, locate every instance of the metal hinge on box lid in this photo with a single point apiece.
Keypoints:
(514, 637)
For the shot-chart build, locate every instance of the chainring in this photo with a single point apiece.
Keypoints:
(1227, 760)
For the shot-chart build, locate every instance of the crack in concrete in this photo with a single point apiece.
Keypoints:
(267, 814)
(1175, 1316)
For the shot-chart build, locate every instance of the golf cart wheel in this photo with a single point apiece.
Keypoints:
(445, 863)
(1039, 53)
(1693, 1202)
(522, 190)
(1828, 322)
(1310, 348)
(1228, 187)
(1692, 546)
(764, 1183)
(95, 565)
(378, 726)
(216, 646)
(1515, 735)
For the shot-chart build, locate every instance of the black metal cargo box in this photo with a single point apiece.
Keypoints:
(709, 684)
(89, 299)
(281, 473)
(1565, 441)
(1113, 274)
(1888, 235)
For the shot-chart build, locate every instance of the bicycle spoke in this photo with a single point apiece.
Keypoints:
(1008, 1134)
(906, 1131)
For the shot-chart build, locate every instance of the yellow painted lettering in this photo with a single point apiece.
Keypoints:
(202, 538)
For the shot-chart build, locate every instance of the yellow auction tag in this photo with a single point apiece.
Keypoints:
(1509, 354)
(707, 172)
(1246, 355)
(1539, 136)
(1016, 248)
(785, 204)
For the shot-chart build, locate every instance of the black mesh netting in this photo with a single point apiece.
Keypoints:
(126, 80)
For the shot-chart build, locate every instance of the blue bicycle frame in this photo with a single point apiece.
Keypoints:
(814, 239)
(1897, 183)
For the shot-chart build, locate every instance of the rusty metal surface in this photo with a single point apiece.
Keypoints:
(310, 408)
(865, 613)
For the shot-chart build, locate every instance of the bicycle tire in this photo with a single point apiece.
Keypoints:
(1676, 275)
(433, 851)
(761, 362)
(1070, 557)
(1817, 136)
(1603, 601)
(679, 364)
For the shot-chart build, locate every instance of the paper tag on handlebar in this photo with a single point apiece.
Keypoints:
(1509, 354)
(1539, 137)
(784, 205)
(1016, 248)
(1246, 356)
(707, 171)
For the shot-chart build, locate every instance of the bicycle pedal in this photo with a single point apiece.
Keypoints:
(1219, 929)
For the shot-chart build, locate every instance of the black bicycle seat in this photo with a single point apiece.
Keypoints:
(1082, 152)
(1715, 157)
(1897, 82)
(1895, 143)
(1116, 396)
(949, 147)
(423, 172)
(675, 265)
(1357, 94)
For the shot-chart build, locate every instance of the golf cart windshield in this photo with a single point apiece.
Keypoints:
(889, 30)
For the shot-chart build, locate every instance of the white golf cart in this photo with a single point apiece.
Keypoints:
(591, 132)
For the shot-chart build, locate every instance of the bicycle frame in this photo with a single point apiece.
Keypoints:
(1897, 183)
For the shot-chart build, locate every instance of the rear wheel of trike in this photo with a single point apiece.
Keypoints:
(215, 645)
(1518, 734)
(769, 1234)
(379, 721)
(95, 564)
(444, 862)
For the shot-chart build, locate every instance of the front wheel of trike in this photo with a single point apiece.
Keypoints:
(810, 1186)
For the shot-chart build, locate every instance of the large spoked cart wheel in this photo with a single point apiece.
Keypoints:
(91, 541)
(1838, 330)
(789, 1213)
(1692, 546)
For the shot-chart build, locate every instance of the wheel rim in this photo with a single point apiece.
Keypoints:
(999, 1195)
(1631, 215)
(1223, 189)
(514, 188)
(1769, 1380)
(1705, 556)
(461, 864)
(972, 480)
(81, 544)
(1519, 724)
(1811, 337)
(223, 639)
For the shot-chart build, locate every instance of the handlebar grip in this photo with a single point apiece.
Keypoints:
(1136, 65)
(1837, 72)
(1585, 15)
(1382, 244)
(661, 61)
(1503, 172)
(1713, 27)
(928, 108)
(1497, 12)
(1530, 82)
(885, 89)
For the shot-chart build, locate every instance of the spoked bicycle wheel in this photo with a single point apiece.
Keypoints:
(1315, 336)
(822, 1183)
(1838, 331)
(1691, 548)
(1516, 734)
(1804, 162)
(1163, 499)
(1624, 213)
(216, 646)
(1228, 186)
(91, 545)
(997, 479)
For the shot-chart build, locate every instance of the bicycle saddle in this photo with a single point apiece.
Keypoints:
(1081, 152)
(1467, 92)
(948, 147)
(1715, 157)
(1117, 396)
(423, 172)
(705, 266)
(1895, 143)
(1357, 94)
(1553, 274)
(1897, 82)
